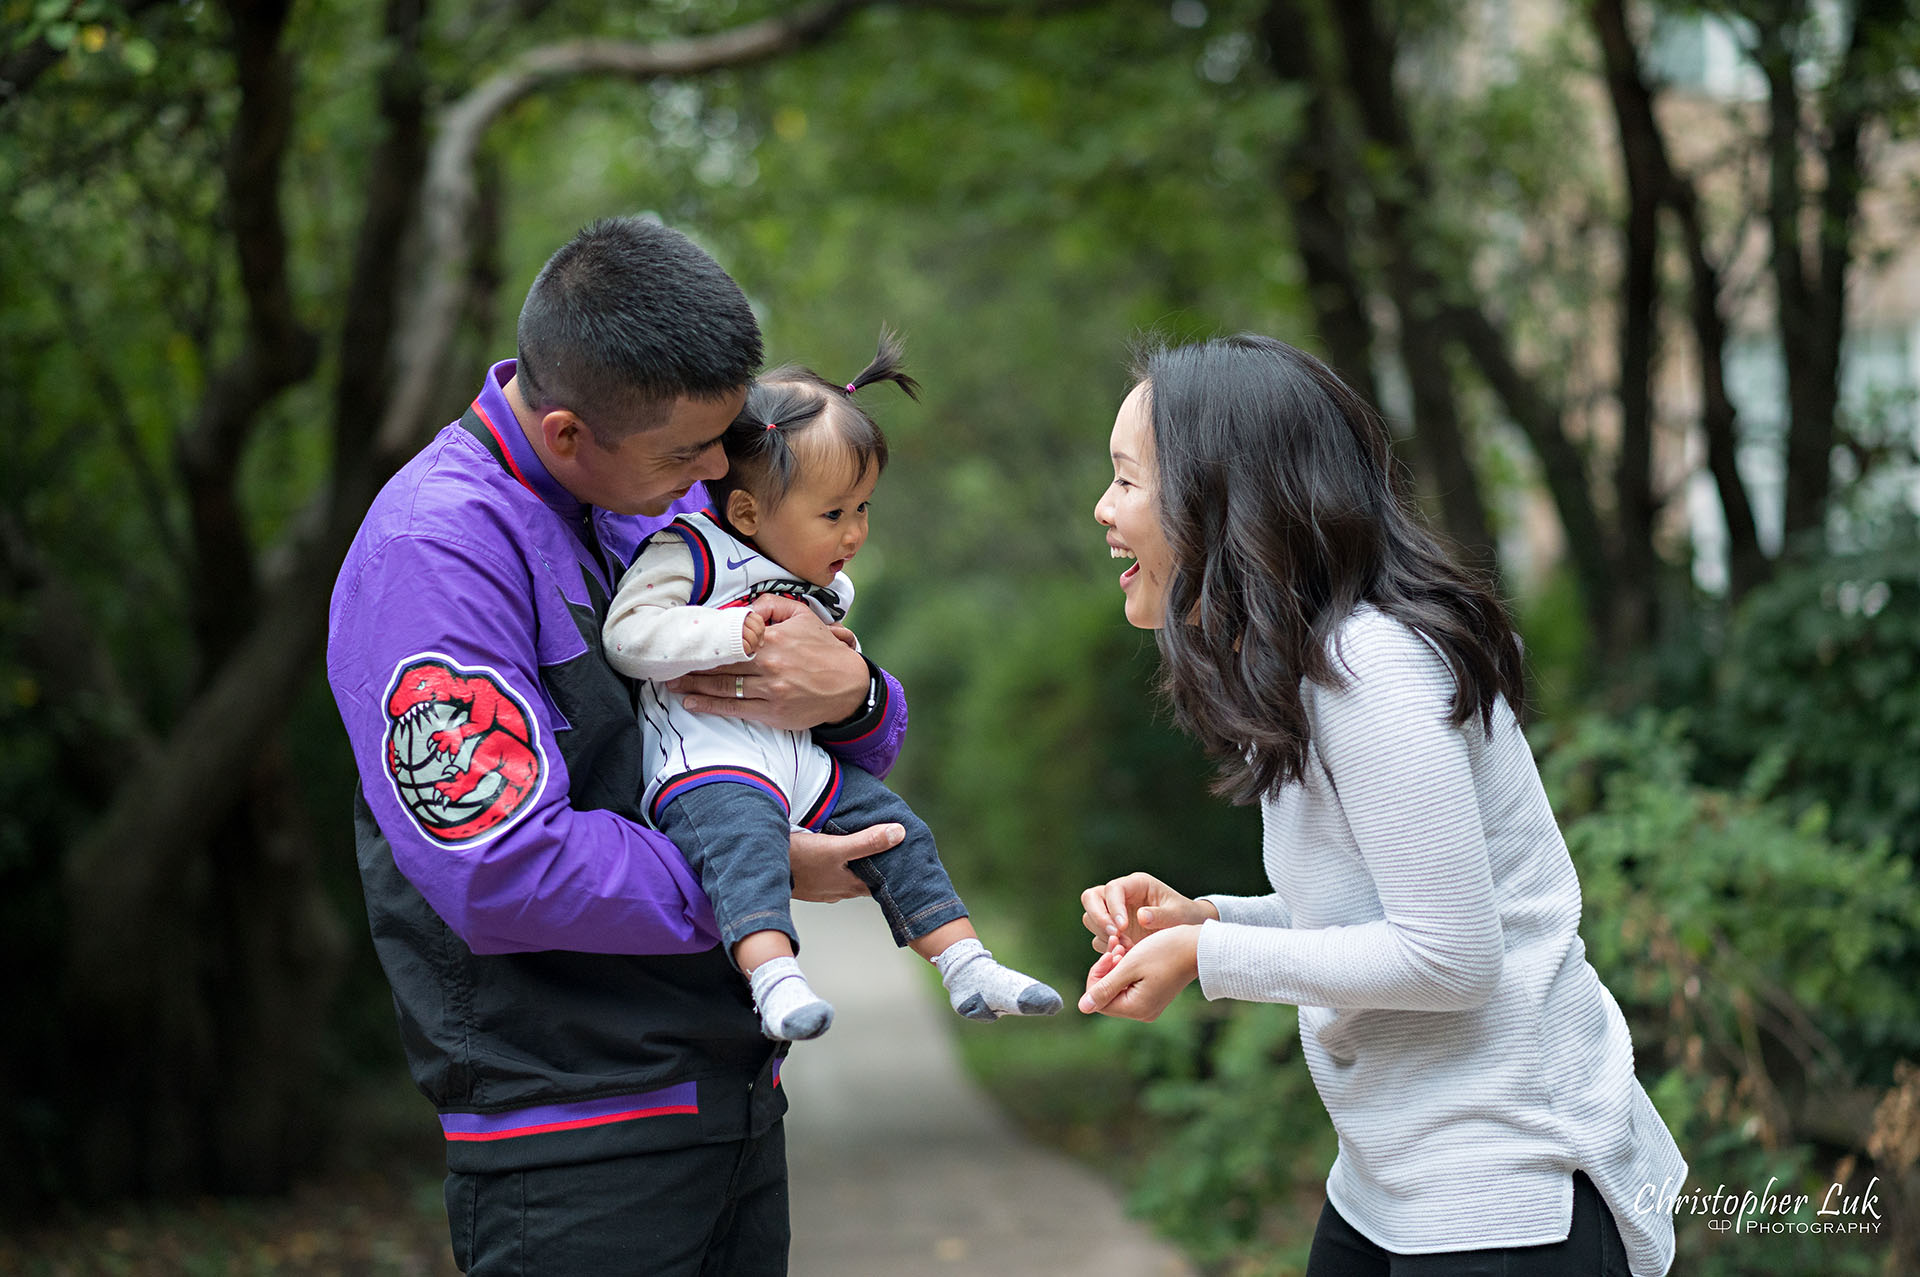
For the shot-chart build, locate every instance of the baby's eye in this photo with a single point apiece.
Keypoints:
(831, 516)
(864, 507)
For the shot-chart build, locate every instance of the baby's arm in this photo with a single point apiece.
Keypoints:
(653, 632)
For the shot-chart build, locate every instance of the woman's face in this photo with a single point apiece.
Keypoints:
(1129, 511)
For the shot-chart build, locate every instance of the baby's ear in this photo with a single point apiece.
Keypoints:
(743, 512)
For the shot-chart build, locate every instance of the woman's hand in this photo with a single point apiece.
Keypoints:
(803, 673)
(1128, 908)
(1144, 978)
(819, 861)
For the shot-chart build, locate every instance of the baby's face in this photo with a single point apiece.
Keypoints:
(823, 522)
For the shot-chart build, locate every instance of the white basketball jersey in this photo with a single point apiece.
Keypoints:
(685, 750)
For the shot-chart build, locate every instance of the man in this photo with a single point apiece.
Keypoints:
(608, 1101)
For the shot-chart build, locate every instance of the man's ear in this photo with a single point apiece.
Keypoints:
(743, 512)
(563, 433)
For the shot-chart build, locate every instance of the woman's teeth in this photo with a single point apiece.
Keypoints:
(1115, 552)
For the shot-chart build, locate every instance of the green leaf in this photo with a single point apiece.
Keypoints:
(139, 55)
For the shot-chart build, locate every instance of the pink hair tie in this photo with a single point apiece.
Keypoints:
(849, 387)
(772, 424)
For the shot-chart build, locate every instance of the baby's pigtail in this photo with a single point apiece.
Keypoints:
(886, 366)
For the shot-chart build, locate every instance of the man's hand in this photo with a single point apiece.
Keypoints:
(820, 870)
(1128, 908)
(1144, 978)
(803, 674)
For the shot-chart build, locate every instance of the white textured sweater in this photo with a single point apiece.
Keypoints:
(1425, 921)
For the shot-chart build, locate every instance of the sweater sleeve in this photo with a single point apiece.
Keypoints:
(1253, 911)
(653, 632)
(1402, 778)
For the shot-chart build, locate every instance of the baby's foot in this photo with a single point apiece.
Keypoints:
(982, 989)
(790, 1011)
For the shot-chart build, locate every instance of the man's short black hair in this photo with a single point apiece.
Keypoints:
(627, 317)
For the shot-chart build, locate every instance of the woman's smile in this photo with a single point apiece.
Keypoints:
(1129, 512)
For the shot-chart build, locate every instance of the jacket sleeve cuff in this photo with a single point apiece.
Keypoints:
(872, 712)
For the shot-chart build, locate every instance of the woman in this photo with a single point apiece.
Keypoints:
(1348, 675)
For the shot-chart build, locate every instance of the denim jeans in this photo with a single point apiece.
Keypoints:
(735, 837)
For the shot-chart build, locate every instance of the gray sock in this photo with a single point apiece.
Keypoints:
(982, 989)
(790, 1011)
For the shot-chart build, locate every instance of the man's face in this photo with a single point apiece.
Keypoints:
(648, 470)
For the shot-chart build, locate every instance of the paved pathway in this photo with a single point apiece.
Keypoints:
(900, 1166)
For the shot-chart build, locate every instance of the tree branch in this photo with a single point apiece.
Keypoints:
(394, 180)
(1439, 439)
(1561, 465)
(450, 191)
(1312, 186)
(1633, 468)
(276, 351)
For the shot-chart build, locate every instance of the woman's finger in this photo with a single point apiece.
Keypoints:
(1116, 902)
(1100, 937)
(1103, 989)
(1094, 907)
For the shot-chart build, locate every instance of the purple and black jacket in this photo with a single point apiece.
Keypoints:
(561, 991)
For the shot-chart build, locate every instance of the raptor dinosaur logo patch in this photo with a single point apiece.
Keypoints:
(461, 749)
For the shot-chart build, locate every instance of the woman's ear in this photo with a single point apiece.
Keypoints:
(743, 512)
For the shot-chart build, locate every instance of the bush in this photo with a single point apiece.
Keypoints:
(1824, 666)
(1766, 966)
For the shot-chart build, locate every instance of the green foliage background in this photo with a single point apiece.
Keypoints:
(1021, 197)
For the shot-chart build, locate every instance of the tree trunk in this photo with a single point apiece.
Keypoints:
(277, 351)
(1312, 181)
(1637, 564)
(1809, 413)
(1645, 147)
(1440, 441)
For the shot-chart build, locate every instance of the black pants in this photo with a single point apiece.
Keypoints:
(1592, 1249)
(713, 1210)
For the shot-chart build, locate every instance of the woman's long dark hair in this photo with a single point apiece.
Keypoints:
(1276, 492)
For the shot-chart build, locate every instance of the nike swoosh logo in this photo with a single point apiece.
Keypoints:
(742, 563)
